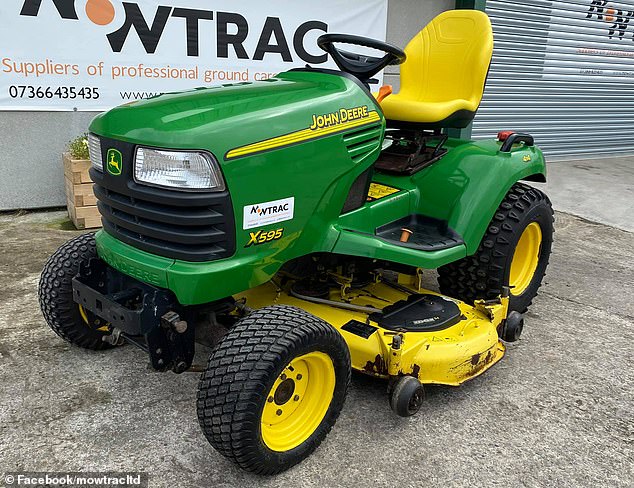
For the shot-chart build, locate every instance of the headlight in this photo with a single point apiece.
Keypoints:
(182, 170)
(94, 148)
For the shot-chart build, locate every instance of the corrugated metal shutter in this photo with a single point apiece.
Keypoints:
(564, 72)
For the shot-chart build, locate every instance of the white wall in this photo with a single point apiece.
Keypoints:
(405, 18)
(31, 143)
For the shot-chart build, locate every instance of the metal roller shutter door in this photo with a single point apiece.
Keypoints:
(563, 71)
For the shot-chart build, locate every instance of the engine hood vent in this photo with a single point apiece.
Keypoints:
(362, 142)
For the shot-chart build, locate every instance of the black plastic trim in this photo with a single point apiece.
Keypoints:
(457, 120)
(358, 193)
(359, 328)
(419, 313)
(516, 138)
(428, 233)
(537, 177)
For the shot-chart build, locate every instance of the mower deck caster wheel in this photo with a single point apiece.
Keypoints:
(407, 396)
(513, 326)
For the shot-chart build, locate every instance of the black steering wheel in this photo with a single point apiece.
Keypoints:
(360, 65)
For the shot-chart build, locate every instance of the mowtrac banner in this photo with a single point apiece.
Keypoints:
(591, 41)
(96, 54)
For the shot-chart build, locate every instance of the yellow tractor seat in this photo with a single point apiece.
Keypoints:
(443, 77)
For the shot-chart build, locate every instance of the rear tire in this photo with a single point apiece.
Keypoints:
(522, 225)
(63, 315)
(273, 388)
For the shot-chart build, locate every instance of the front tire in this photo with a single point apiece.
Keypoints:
(65, 317)
(273, 388)
(514, 252)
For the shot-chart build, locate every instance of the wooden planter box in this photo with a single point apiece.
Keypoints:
(80, 199)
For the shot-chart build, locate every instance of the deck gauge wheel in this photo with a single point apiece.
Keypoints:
(407, 396)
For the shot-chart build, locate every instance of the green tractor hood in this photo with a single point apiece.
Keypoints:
(221, 118)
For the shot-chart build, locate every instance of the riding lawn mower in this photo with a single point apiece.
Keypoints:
(289, 223)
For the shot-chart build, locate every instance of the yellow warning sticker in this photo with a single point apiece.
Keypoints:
(378, 191)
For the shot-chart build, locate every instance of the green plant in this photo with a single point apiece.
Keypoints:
(78, 147)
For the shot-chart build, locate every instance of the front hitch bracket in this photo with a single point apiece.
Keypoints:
(143, 315)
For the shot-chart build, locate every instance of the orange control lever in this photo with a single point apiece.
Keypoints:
(384, 91)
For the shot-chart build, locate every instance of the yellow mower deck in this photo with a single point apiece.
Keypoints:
(450, 356)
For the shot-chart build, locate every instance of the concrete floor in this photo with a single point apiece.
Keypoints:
(556, 411)
(600, 190)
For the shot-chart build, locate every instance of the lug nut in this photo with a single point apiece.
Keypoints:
(270, 399)
(279, 412)
(283, 377)
(296, 398)
(299, 376)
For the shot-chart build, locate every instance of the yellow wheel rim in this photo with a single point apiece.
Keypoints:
(84, 317)
(525, 258)
(298, 401)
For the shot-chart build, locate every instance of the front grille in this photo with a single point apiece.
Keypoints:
(175, 224)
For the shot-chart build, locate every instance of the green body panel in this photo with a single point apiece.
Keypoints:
(464, 187)
(139, 264)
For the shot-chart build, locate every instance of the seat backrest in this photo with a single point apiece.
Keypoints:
(449, 59)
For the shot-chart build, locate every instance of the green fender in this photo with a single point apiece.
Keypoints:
(466, 187)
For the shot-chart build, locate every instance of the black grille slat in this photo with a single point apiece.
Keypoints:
(155, 246)
(184, 235)
(158, 213)
(190, 226)
(171, 198)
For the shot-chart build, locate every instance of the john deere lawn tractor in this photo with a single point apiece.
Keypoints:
(290, 224)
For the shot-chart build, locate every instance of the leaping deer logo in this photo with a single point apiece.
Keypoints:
(114, 162)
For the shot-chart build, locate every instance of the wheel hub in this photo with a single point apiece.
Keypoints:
(284, 391)
(298, 401)
(416, 401)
